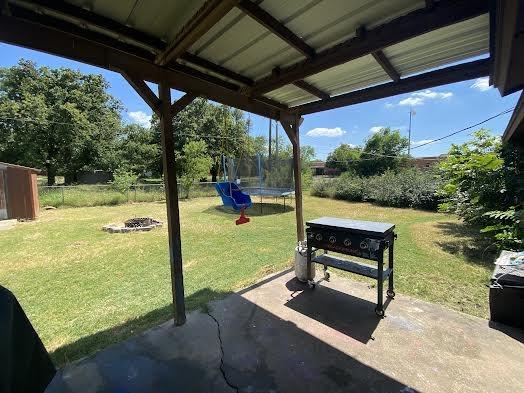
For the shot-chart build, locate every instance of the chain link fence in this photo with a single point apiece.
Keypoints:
(106, 194)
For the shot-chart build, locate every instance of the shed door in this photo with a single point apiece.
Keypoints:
(3, 199)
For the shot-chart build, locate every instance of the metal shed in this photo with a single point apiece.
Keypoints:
(18, 192)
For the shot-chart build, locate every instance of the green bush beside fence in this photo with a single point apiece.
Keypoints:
(408, 188)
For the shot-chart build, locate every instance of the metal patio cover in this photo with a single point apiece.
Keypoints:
(274, 58)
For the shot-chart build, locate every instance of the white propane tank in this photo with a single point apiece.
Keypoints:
(301, 262)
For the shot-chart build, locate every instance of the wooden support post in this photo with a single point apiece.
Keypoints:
(292, 130)
(173, 215)
(162, 106)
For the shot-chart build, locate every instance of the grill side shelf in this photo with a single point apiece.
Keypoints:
(350, 266)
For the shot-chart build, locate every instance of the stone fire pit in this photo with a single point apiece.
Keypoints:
(136, 224)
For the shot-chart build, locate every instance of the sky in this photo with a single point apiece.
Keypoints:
(438, 111)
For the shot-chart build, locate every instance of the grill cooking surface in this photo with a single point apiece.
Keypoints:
(366, 239)
(355, 226)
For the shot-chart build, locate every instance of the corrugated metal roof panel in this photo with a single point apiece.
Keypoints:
(118, 10)
(354, 75)
(159, 18)
(240, 43)
(324, 23)
(244, 45)
(291, 95)
(447, 45)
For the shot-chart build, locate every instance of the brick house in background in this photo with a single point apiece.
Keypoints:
(319, 169)
(427, 162)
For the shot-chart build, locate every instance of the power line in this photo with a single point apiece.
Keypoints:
(210, 136)
(465, 129)
(509, 110)
(38, 121)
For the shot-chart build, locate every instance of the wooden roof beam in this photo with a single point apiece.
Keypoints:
(205, 18)
(61, 39)
(302, 84)
(386, 65)
(180, 104)
(508, 46)
(515, 129)
(276, 27)
(413, 24)
(143, 91)
(217, 69)
(90, 20)
(380, 57)
(452, 74)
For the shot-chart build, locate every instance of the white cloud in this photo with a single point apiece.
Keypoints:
(420, 97)
(433, 94)
(421, 142)
(411, 101)
(141, 118)
(329, 132)
(375, 129)
(481, 84)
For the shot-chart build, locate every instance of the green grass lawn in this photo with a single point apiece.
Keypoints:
(84, 289)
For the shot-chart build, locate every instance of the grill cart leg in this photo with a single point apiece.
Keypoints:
(310, 282)
(379, 310)
(391, 290)
(326, 273)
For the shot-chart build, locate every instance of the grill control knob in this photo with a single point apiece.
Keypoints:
(311, 235)
(318, 237)
(363, 244)
(332, 239)
(347, 242)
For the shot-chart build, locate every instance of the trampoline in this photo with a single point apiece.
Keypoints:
(276, 193)
(261, 176)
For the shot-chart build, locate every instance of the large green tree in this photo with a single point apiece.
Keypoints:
(225, 131)
(58, 119)
(345, 158)
(195, 164)
(139, 150)
(384, 150)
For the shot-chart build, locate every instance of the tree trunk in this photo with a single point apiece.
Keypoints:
(214, 172)
(51, 174)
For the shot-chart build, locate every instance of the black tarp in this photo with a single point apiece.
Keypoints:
(25, 365)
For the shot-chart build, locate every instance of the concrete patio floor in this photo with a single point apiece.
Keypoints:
(278, 336)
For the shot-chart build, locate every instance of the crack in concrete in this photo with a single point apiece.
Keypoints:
(230, 384)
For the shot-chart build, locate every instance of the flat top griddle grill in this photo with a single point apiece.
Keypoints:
(363, 239)
(355, 226)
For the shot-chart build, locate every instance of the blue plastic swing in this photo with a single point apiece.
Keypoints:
(232, 196)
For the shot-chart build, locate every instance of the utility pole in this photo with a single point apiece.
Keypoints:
(411, 113)
(270, 127)
(276, 139)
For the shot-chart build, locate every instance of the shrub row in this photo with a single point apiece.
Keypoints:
(407, 188)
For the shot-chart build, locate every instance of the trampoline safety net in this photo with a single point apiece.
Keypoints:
(263, 176)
